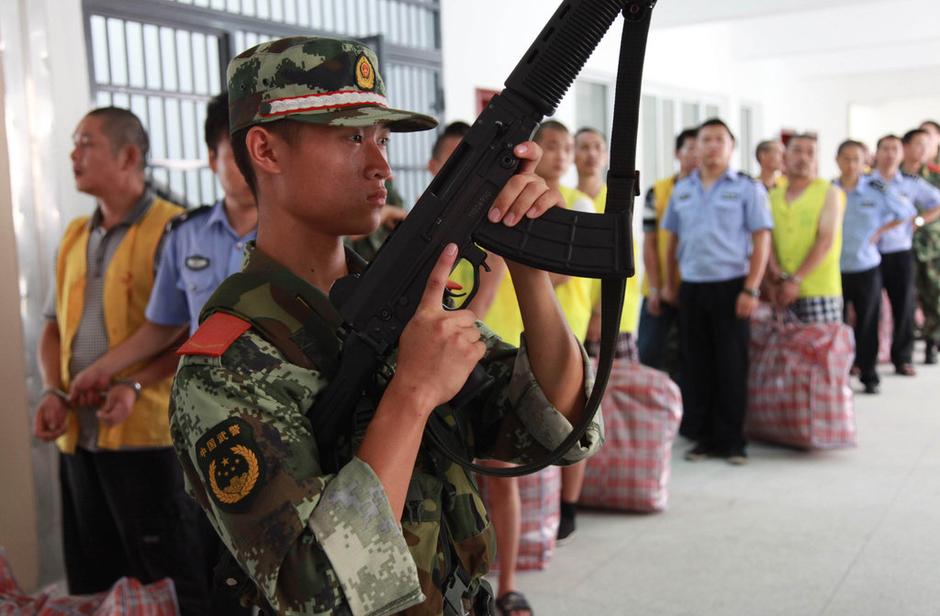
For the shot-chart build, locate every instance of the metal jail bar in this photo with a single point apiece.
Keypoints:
(164, 59)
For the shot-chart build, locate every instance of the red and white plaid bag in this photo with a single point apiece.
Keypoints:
(540, 494)
(642, 409)
(127, 597)
(798, 384)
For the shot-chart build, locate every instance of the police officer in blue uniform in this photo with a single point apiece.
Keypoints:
(720, 241)
(872, 209)
(922, 202)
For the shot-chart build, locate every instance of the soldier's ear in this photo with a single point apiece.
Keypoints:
(263, 150)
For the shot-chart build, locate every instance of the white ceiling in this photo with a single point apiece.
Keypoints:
(822, 38)
(690, 12)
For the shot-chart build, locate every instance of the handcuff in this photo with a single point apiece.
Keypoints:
(55, 391)
(136, 386)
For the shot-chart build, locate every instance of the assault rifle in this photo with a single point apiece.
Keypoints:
(378, 303)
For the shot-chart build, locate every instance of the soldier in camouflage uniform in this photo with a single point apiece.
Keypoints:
(927, 249)
(397, 523)
(918, 161)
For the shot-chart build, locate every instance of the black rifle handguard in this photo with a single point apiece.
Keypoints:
(378, 303)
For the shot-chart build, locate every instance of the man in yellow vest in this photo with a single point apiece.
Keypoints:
(590, 159)
(804, 275)
(496, 305)
(124, 511)
(498, 308)
(574, 294)
(658, 335)
(769, 155)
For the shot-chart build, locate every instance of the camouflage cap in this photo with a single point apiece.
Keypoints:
(317, 80)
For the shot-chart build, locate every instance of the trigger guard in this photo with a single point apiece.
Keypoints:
(476, 257)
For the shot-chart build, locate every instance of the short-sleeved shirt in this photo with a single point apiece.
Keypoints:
(91, 337)
(197, 255)
(650, 213)
(919, 195)
(869, 206)
(714, 227)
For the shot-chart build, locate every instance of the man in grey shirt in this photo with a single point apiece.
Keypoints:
(124, 509)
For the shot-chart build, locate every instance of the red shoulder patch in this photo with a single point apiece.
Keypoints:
(215, 335)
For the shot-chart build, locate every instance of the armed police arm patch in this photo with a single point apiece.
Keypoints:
(231, 464)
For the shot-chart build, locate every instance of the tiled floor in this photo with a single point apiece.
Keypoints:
(840, 533)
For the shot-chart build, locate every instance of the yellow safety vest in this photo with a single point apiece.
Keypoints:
(631, 299)
(796, 225)
(127, 286)
(662, 191)
(574, 295)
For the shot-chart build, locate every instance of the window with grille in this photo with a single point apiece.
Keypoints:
(662, 119)
(746, 140)
(592, 106)
(164, 59)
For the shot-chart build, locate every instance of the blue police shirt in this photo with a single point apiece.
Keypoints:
(918, 194)
(869, 206)
(198, 253)
(715, 226)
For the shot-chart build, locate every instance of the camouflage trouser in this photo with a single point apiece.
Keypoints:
(927, 282)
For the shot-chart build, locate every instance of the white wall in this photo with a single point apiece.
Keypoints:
(869, 122)
(864, 106)
(45, 92)
(697, 62)
(859, 72)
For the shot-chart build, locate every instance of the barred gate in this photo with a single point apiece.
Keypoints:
(164, 59)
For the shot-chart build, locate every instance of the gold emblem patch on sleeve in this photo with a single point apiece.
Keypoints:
(365, 74)
(231, 463)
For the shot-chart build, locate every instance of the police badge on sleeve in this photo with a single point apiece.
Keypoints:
(231, 464)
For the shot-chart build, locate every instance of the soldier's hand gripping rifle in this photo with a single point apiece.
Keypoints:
(378, 303)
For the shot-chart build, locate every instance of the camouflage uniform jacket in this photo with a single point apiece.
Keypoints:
(329, 544)
(927, 239)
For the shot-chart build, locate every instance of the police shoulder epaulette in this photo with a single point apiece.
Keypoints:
(909, 175)
(748, 176)
(187, 215)
(215, 335)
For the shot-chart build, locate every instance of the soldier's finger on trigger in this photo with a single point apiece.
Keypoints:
(437, 280)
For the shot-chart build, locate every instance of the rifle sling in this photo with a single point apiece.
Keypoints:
(622, 188)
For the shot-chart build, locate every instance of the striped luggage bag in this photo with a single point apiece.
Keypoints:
(642, 409)
(540, 494)
(128, 597)
(798, 385)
